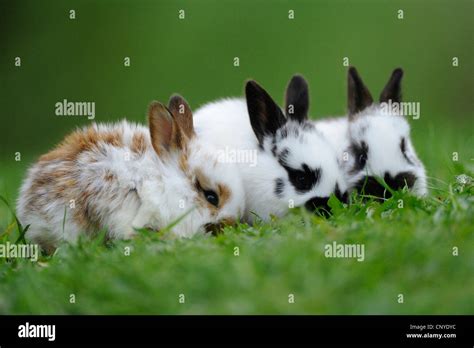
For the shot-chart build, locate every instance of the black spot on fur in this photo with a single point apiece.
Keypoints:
(282, 157)
(303, 179)
(279, 187)
(360, 153)
(284, 133)
(318, 204)
(403, 148)
(370, 185)
(400, 180)
(274, 147)
(343, 197)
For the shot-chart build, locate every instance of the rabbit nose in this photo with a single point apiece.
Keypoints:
(400, 180)
(371, 187)
(216, 228)
(318, 204)
(344, 198)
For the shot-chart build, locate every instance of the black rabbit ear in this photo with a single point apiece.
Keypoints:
(297, 99)
(393, 88)
(358, 96)
(266, 116)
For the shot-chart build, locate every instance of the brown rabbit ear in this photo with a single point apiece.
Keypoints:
(358, 96)
(182, 113)
(393, 89)
(166, 136)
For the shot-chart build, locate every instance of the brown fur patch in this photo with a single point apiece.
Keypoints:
(56, 182)
(183, 162)
(203, 180)
(80, 141)
(109, 176)
(224, 194)
(84, 214)
(139, 145)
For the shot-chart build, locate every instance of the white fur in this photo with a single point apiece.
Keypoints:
(226, 124)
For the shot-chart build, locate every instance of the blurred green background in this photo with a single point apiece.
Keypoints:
(83, 60)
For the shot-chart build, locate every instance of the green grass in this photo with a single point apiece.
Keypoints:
(408, 251)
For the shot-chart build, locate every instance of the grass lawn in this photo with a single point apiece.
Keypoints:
(408, 251)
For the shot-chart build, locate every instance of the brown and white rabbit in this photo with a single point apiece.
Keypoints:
(124, 176)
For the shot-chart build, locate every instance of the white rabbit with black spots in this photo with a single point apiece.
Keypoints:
(295, 164)
(373, 140)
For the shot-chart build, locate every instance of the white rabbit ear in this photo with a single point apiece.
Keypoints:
(358, 96)
(166, 135)
(182, 113)
(266, 116)
(297, 99)
(393, 89)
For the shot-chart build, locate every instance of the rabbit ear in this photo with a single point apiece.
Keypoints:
(358, 96)
(297, 99)
(393, 89)
(266, 116)
(182, 113)
(166, 136)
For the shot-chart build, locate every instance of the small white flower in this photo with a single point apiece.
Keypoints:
(463, 179)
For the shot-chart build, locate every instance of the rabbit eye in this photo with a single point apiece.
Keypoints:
(303, 180)
(360, 153)
(211, 197)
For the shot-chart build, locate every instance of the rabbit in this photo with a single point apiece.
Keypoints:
(121, 177)
(295, 166)
(373, 143)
